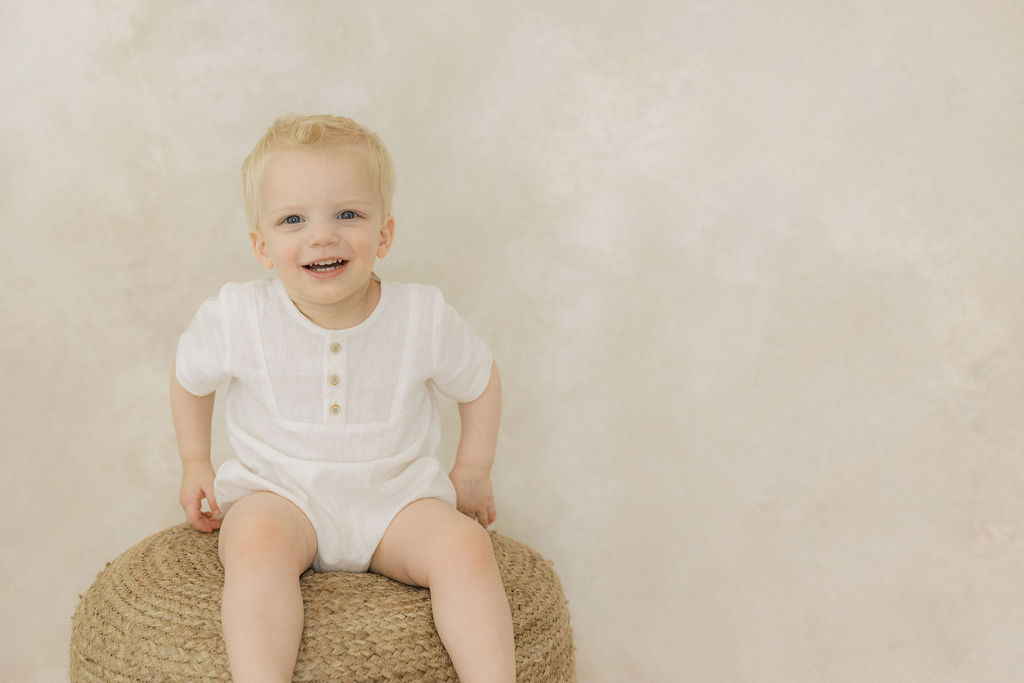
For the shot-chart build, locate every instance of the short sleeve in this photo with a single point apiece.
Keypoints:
(203, 361)
(462, 362)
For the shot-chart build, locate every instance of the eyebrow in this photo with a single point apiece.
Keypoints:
(297, 208)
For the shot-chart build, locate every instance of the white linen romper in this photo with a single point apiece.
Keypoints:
(343, 423)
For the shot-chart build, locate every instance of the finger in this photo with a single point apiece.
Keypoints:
(205, 523)
(492, 514)
(196, 517)
(211, 517)
(191, 507)
(212, 500)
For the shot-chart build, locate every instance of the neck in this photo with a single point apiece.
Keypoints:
(356, 310)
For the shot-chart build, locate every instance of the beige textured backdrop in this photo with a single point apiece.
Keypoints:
(752, 271)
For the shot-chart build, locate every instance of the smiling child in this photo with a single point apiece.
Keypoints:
(331, 379)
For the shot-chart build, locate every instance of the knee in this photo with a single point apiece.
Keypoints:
(469, 547)
(250, 541)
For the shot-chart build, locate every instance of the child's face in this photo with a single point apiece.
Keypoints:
(322, 228)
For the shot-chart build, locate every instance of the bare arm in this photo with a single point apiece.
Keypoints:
(192, 418)
(471, 474)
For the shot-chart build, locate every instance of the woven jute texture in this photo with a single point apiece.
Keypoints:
(154, 615)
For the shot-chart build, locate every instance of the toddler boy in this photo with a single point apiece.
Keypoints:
(331, 403)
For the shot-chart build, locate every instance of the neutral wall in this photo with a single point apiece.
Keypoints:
(752, 271)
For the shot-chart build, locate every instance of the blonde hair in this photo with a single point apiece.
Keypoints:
(293, 131)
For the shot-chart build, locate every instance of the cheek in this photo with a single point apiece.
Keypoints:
(283, 247)
(364, 242)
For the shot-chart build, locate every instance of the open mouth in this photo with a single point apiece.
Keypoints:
(325, 266)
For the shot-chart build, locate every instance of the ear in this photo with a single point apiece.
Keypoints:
(387, 236)
(259, 247)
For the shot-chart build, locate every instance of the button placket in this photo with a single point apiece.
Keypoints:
(334, 379)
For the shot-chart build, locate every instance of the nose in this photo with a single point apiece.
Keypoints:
(322, 233)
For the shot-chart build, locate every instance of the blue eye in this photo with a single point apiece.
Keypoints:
(292, 220)
(347, 215)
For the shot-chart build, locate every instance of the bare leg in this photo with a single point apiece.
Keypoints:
(431, 544)
(265, 544)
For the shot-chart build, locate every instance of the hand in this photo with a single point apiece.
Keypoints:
(197, 484)
(474, 494)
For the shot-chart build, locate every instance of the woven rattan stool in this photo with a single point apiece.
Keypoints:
(154, 615)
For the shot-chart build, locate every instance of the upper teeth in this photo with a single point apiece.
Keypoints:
(326, 264)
